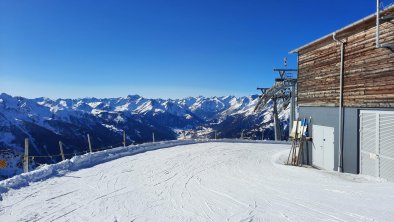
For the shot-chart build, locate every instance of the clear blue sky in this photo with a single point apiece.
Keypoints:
(161, 48)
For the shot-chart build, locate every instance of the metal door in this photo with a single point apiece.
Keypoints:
(317, 146)
(377, 144)
(323, 147)
(328, 148)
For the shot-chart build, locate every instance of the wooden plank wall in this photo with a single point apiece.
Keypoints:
(368, 72)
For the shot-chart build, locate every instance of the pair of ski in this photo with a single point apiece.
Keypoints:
(298, 134)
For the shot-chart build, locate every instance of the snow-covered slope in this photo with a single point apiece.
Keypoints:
(201, 182)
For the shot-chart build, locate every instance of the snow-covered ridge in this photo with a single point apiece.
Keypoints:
(116, 113)
(141, 105)
(64, 109)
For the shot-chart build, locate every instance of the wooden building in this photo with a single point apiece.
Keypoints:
(346, 85)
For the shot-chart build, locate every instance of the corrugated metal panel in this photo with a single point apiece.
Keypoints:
(386, 134)
(387, 168)
(368, 145)
(386, 145)
(368, 165)
(368, 133)
(377, 144)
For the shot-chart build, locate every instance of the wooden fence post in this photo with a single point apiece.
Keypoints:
(124, 138)
(242, 135)
(61, 149)
(90, 144)
(153, 137)
(26, 156)
(216, 136)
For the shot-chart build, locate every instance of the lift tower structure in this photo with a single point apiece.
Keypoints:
(283, 89)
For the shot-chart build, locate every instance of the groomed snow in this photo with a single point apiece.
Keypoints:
(214, 181)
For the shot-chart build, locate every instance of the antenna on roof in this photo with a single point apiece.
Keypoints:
(285, 61)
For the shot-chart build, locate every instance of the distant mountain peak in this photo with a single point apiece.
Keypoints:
(133, 97)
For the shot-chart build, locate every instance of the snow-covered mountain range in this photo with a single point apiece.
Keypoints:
(45, 122)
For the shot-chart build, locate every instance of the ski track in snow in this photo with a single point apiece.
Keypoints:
(202, 182)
